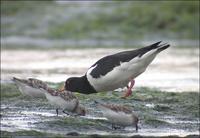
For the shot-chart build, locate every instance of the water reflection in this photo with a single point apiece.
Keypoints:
(172, 70)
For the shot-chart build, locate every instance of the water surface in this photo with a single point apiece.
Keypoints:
(172, 70)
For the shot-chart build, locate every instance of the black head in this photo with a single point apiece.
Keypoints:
(79, 84)
(71, 84)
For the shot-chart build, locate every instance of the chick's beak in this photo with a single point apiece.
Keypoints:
(62, 88)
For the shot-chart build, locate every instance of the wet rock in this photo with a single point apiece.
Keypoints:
(72, 134)
(156, 122)
(161, 108)
(95, 136)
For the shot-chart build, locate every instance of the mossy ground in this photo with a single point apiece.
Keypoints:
(156, 110)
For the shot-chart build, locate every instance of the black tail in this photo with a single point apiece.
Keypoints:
(155, 45)
(140, 52)
(162, 47)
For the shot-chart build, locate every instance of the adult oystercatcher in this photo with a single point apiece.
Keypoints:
(115, 71)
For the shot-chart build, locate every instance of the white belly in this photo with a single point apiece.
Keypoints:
(58, 102)
(118, 118)
(117, 78)
(30, 91)
(121, 75)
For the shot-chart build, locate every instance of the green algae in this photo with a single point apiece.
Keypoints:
(169, 102)
(151, 105)
(9, 91)
(28, 133)
(156, 122)
(187, 102)
(37, 134)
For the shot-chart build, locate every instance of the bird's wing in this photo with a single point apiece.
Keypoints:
(37, 83)
(106, 64)
(117, 108)
(51, 91)
(67, 96)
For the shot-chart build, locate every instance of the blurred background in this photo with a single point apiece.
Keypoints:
(54, 40)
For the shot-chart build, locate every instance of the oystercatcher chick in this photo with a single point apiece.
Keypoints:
(61, 99)
(65, 100)
(31, 87)
(115, 71)
(119, 115)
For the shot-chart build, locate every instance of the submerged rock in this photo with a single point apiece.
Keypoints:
(72, 134)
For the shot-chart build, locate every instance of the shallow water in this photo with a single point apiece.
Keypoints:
(172, 70)
(160, 114)
(43, 120)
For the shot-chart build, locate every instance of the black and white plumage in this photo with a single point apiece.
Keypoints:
(115, 71)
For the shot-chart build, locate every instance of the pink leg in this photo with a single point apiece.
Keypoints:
(129, 91)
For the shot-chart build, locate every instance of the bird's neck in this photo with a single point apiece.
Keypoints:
(84, 86)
